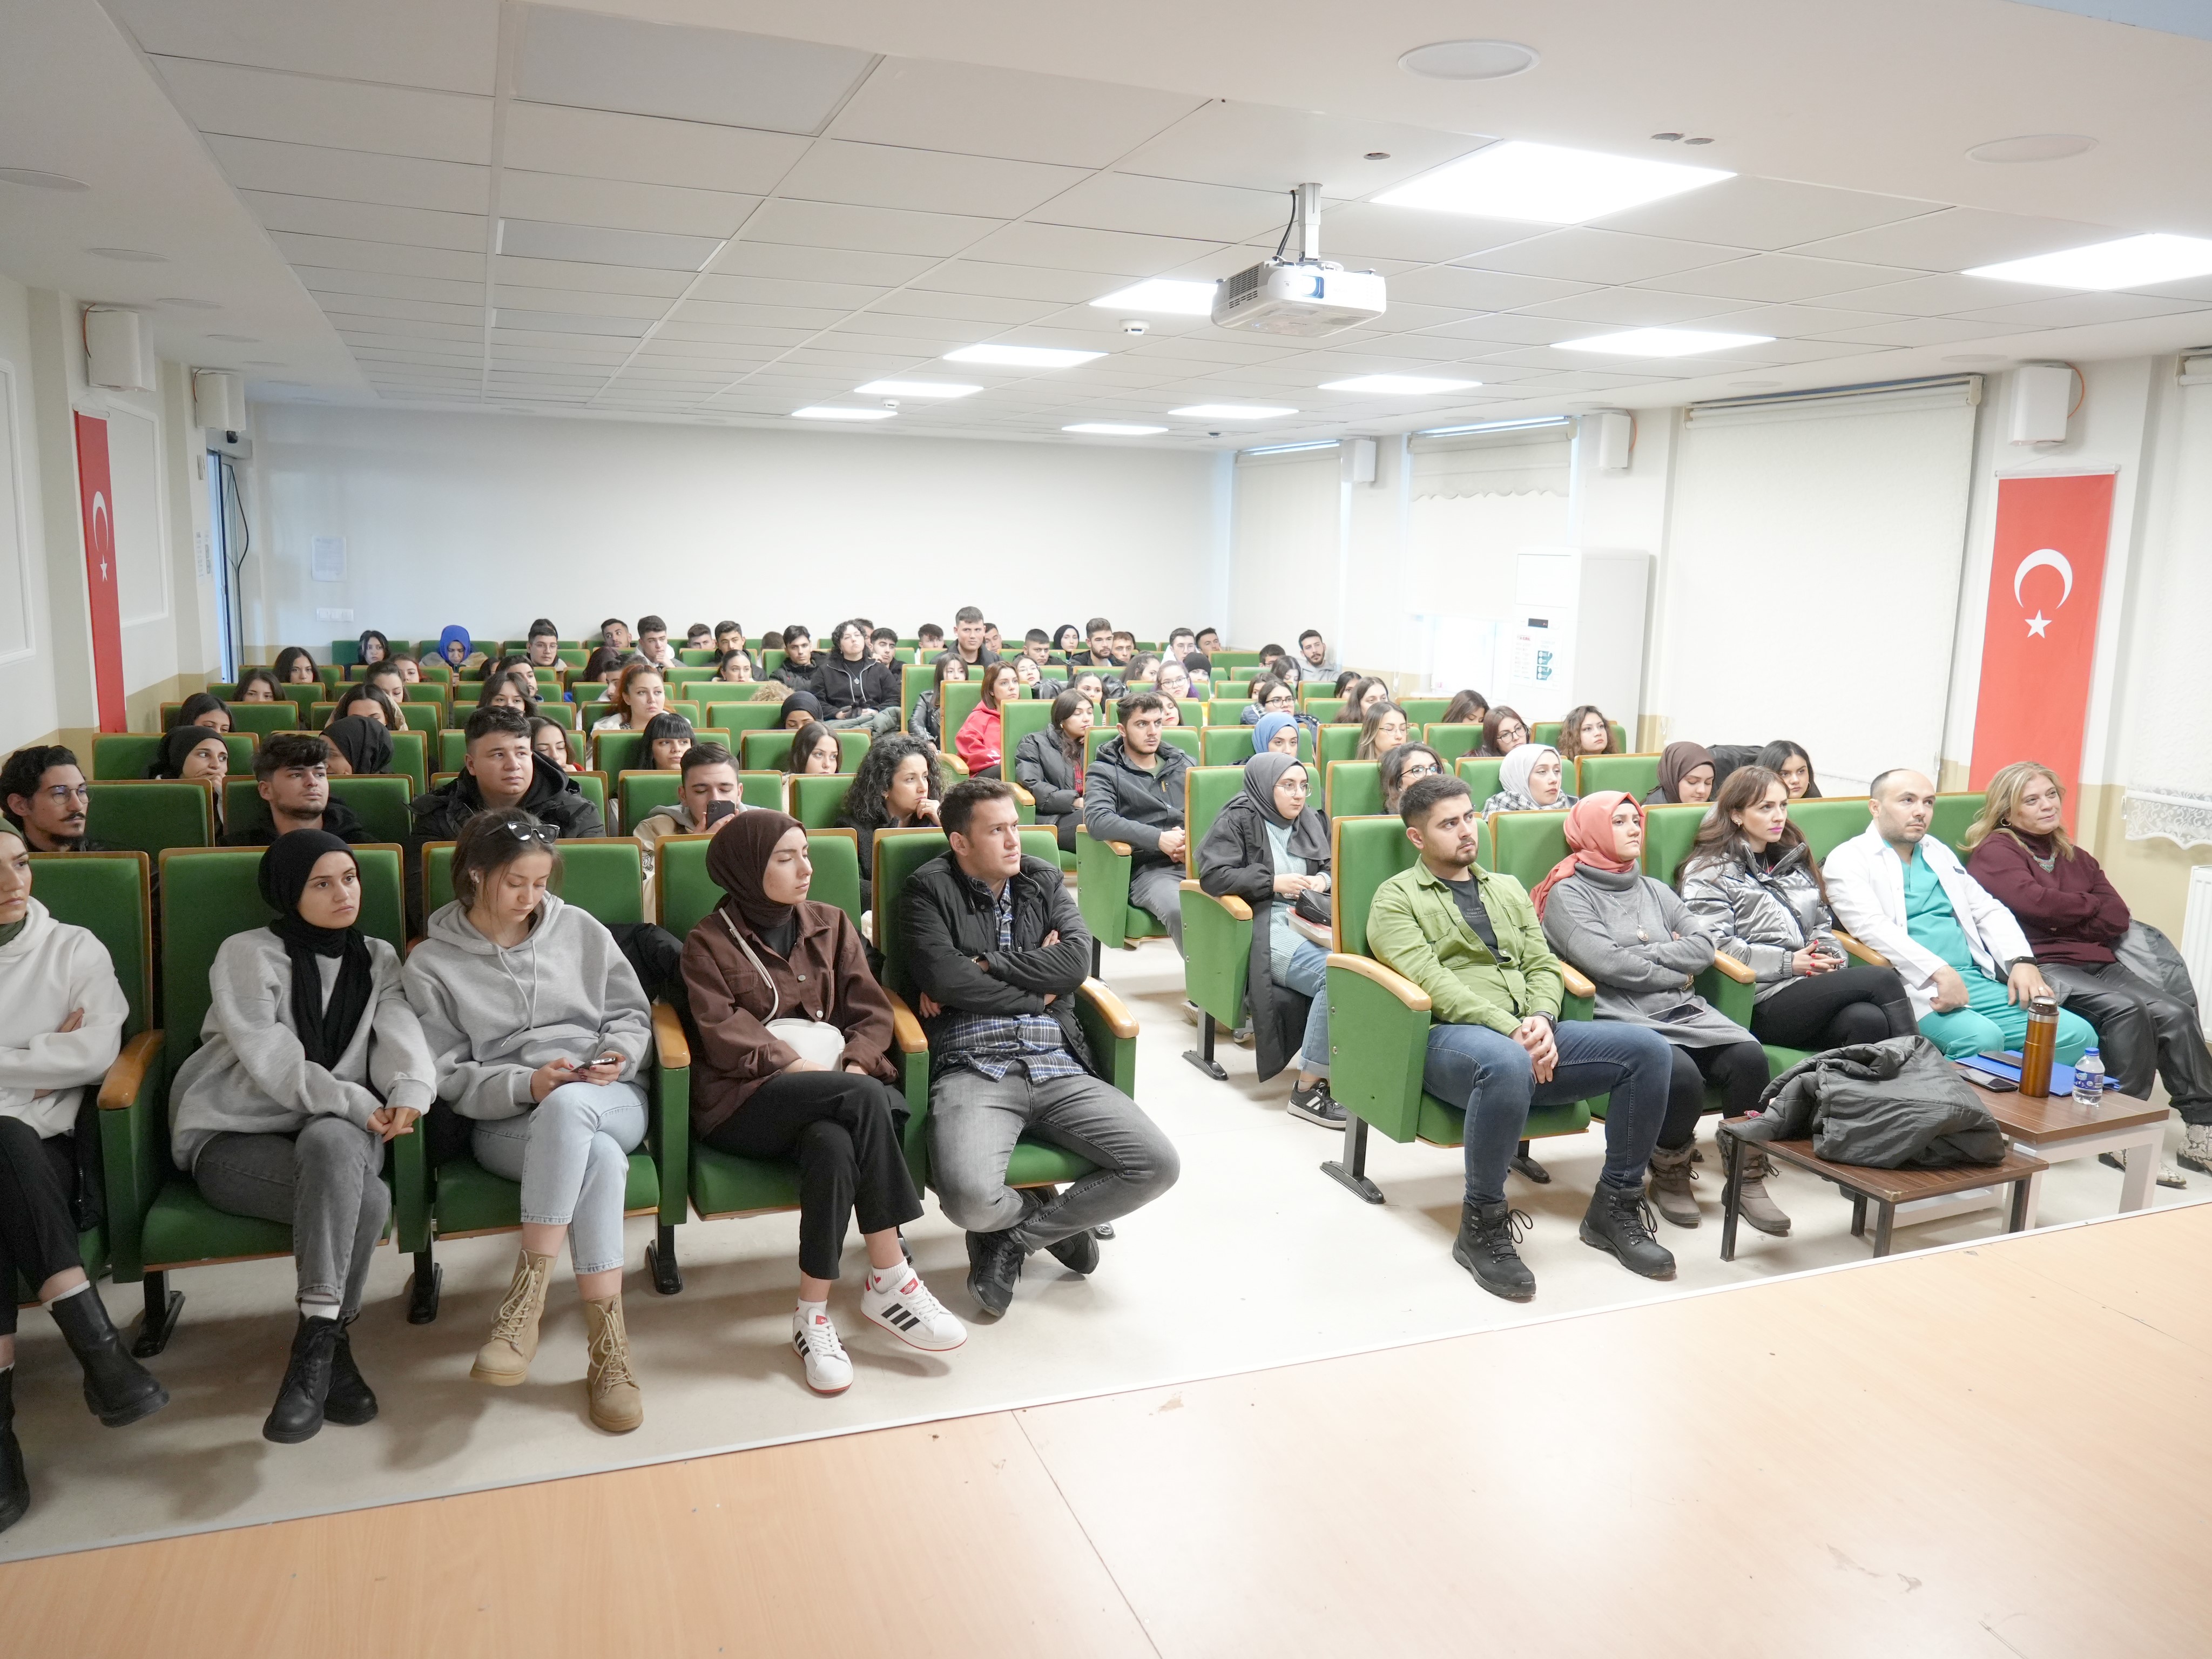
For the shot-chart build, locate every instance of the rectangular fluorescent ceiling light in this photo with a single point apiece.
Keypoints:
(1113, 429)
(1493, 426)
(1017, 356)
(1291, 449)
(918, 389)
(1547, 184)
(2130, 261)
(1410, 386)
(1661, 343)
(1230, 412)
(842, 412)
(1165, 296)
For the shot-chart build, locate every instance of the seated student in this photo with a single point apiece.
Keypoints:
(968, 644)
(292, 774)
(1407, 764)
(372, 647)
(1181, 642)
(814, 751)
(44, 796)
(603, 661)
(1643, 949)
(364, 701)
(1093, 686)
(734, 667)
(1098, 649)
(1273, 659)
(549, 1082)
(1200, 667)
(708, 794)
(1585, 731)
(639, 693)
(1267, 846)
(1469, 937)
(501, 770)
(794, 1060)
(254, 686)
(800, 670)
(1067, 641)
(1963, 959)
(1384, 729)
(551, 739)
(1208, 640)
(981, 740)
(729, 636)
(1317, 660)
(993, 641)
(542, 645)
(1466, 708)
(1121, 647)
(1275, 733)
(1143, 669)
(295, 666)
(653, 642)
(1790, 763)
(924, 722)
(195, 754)
(455, 647)
(358, 744)
(516, 689)
(387, 678)
(1504, 731)
(205, 709)
(1685, 776)
(1528, 781)
(1036, 646)
(997, 950)
(1269, 696)
(1133, 792)
(1362, 694)
(615, 632)
(882, 646)
(928, 638)
(1172, 682)
(310, 1063)
(666, 737)
(859, 693)
(2018, 849)
(1049, 765)
(698, 637)
(895, 787)
(772, 640)
(1027, 674)
(61, 1028)
(410, 671)
(800, 709)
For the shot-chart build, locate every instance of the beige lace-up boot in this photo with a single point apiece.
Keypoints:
(504, 1360)
(618, 1404)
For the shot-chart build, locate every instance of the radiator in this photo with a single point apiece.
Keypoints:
(2196, 930)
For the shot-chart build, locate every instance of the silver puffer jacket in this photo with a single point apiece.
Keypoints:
(1764, 915)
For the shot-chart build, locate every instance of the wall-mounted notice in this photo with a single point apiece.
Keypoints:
(327, 559)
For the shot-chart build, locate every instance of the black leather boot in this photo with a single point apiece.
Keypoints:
(1487, 1234)
(1619, 1223)
(117, 1388)
(14, 1485)
(298, 1413)
(349, 1401)
(1898, 1011)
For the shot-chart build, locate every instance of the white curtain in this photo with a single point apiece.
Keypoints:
(1288, 522)
(1477, 500)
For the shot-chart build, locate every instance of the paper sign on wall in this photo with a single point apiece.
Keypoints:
(327, 559)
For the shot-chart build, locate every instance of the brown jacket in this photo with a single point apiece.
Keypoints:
(826, 978)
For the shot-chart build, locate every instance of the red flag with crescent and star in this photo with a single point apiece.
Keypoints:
(2040, 642)
(98, 497)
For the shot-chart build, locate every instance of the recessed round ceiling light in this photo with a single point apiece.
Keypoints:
(1696, 141)
(1667, 138)
(1379, 156)
(241, 339)
(1469, 60)
(1976, 357)
(136, 256)
(189, 305)
(2035, 147)
(38, 180)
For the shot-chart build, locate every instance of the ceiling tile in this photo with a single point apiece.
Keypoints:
(535, 239)
(1259, 146)
(1916, 332)
(250, 103)
(929, 181)
(747, 257)
(366, 221)
(967, 308)
(740, 316)
(451, 45)
(1017, 281)
(872, 230)
(1167, 207)
(667, 210)
(1361, 231)
(1777, 277)
(1933, 297)
(584, 302)
(772, 291)
(1581, 254)
(384, 330)
(595, 61)
(1642, 307)
(350, 175)
(2077, 310)
(1519, 325)
(941, 331)
(376, 305)
(918, 348)
(643, 149)
(1791, 321)
(732, 334)
(1800, 351)
(512, 273)
(338, 253)
(1069, 247)
(1480, 290)
(1765, 214)
(321, 281)
(978, 111)
(1958, 238)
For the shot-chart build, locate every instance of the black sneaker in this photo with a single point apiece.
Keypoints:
(1619, 1223)
(1487, 1234)
(1316, 1105)
(994, 1268)
(1077, 1252)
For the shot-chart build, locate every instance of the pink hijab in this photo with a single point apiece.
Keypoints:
(1589, 841)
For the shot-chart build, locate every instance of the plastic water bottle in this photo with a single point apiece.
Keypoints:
(2088, 1079)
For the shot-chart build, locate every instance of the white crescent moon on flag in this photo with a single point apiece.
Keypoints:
(2045, 556)
(100, 530)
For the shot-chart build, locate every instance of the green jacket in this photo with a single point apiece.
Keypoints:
(1415, 928)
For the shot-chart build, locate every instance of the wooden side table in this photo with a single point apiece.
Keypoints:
(1884, 1189)
(2056, 1129)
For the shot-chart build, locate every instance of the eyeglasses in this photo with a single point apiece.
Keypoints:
(1416, 769)
(542, 835)
(62, 793)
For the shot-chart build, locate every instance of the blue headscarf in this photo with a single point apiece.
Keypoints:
(446, 637)
(1264, 730)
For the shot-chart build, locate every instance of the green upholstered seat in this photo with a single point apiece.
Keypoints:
(1338, 742)
(1668, 833)
(1480, 774)
(959, 701)
(731, 712)
(816, 802)
(1017, 720)
(119, 757)
(472, 1200)
(765, 750)
(1827, 823)
(604, 875)
(263, 718)
(380, 799)
(1453, 741)
(1424, 711)
(1548, 732)
(150, 816)
(617, 752)
(1217, 939)
(1185, 738)
(1635, 775)
(1355, 789)
(1954, 815)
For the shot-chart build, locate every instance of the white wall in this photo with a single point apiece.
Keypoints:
(487, 520)
(28, 708)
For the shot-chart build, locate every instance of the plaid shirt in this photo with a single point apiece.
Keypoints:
(993, 1044)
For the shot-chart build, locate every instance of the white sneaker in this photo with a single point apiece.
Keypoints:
(815, 1341)
(911, 1313)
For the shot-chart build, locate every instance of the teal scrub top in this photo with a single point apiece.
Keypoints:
(1928, 917)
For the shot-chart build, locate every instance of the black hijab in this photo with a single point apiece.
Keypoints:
(177, 746)
(737, 858)
(365, 742)
(324, 1028)
(801, 700)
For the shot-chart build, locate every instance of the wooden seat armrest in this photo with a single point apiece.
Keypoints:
(669, 1045)
(1022, 797)
(1121, 849)
(1395, 983)
(906, 1029)
(126, 1077)
(1237, 909)
(1119, 1020)
(1735, 969)
(1865, 953)
(1577, 981)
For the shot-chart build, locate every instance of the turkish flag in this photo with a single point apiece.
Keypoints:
(98, 496)
(2040, 641)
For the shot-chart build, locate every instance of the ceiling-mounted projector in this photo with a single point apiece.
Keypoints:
(1304, 298)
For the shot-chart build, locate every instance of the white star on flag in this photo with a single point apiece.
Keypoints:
(2037, 624)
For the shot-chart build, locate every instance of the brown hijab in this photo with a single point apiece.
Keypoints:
(737, 858)
(1674, 760)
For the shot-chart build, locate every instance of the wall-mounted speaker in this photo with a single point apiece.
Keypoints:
(218, 399)
(1359, 460)
(2041, 393)
(1616, 434)
(119, 350)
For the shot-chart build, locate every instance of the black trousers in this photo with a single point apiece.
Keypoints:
(37, 1235)
(1829, 1011)
(2142, 1033)
(1065, 828)
(840, 1126)
(1738, 1069)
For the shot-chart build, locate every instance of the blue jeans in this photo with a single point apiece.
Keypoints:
(571, 1153)
(1308, 974)
(1490, 1073)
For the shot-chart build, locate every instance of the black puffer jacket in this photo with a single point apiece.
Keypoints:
(1041, 767)
(1236, 859)
(849, 689)
(553, 799)
(1891, 1105)
(1123, 802)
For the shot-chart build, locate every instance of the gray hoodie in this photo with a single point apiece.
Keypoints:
(493, 1017)
(249, 1075)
